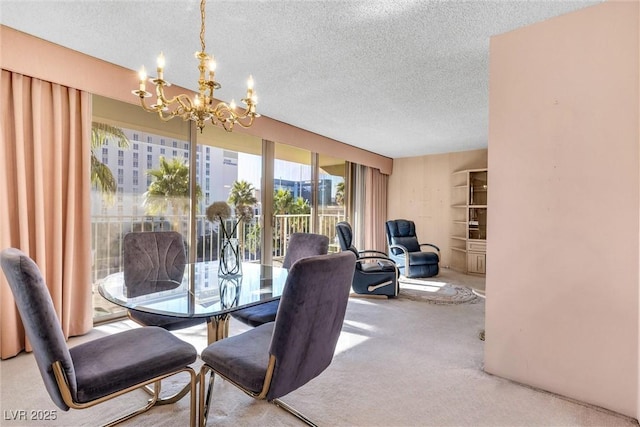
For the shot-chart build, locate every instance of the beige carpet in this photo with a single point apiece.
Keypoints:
(399, 362)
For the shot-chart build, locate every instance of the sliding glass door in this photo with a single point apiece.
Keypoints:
(147, 170)
(140, 175)
(229, 170)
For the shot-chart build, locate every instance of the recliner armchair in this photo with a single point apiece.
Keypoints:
(376, 273)
(407, 252)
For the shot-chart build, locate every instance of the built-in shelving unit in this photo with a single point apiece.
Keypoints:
(469, 218)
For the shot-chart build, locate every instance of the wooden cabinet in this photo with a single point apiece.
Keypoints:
(469, 216)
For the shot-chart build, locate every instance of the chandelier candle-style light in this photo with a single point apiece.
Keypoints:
(201, 108)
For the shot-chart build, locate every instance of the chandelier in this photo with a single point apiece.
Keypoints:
(201, 108)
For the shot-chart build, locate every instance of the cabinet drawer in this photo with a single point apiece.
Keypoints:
(476, 246)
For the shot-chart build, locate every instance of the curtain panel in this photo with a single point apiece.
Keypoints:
(375, 209)
(45, 198)
(368, 206)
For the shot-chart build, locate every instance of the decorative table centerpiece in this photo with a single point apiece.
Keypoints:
(230, 261)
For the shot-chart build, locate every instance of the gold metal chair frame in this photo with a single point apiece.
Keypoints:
(217, 329)
(65, 391)
(203, 410)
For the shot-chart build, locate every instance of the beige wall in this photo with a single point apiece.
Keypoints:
(420, 190)
(562, 278)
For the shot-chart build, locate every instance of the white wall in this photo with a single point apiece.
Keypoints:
(563, 232)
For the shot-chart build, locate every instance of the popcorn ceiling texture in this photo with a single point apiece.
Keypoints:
(398, 78)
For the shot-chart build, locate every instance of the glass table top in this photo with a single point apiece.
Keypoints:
(201, 293)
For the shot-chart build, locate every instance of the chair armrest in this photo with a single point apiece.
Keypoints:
(381, 259)
(371, 251)
(429, 244)
(404, 251)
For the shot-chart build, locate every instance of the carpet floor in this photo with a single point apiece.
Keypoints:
(399, 362)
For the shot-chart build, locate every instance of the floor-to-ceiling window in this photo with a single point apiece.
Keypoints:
(331, 185)
(287, 189)
(138, 169)
(229, 169)
(292, 195)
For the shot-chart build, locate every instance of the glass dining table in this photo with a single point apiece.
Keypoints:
(201, 293)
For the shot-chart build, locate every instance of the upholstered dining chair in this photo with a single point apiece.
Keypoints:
(408, 253)
(272, 360)
(98, 370)
(376, 273)
(154, 261)
(301, 245)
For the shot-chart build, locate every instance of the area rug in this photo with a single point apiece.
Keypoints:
(435, 292)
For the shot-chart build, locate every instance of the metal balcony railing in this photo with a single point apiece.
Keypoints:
(107, 233)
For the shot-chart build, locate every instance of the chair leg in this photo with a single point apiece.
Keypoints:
(279, 403)
(150, 404)
(205, 399)
(174, 397)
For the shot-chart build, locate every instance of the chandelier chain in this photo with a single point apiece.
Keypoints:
(202, 18)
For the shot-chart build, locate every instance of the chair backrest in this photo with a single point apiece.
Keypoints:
(345, 237)
(302, 245)
(402, 232)
(309, 319)
(152, 261)
(40, 320)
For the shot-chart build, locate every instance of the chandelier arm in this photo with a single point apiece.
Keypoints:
(182, 99)
(145, 107)
(244, 123)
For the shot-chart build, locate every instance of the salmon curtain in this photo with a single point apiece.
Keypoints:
(368, 206)
(375, 213)
(44, 198)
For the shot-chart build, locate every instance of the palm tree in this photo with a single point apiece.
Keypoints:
(282, 200)
(242, 194)
(340, 194)
(101, 176)
(169, 191)
(242, 197)
(300, 207)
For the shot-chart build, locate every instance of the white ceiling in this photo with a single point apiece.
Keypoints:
(396, 77)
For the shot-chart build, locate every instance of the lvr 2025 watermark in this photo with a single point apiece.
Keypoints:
(30, 415)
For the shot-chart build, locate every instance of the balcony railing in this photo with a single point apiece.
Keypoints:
(107, 233)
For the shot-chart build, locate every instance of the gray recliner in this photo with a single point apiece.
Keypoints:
(272, 360)
(301, 245)
(98, 370)
(408, 253)
(376, 273)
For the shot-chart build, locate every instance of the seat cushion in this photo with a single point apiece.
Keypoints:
(169, 323)
(373, 267)
(423, 258)
(258, 314)
(121, 360)
(242, 358)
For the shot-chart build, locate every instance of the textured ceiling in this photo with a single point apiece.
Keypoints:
(396, 77)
